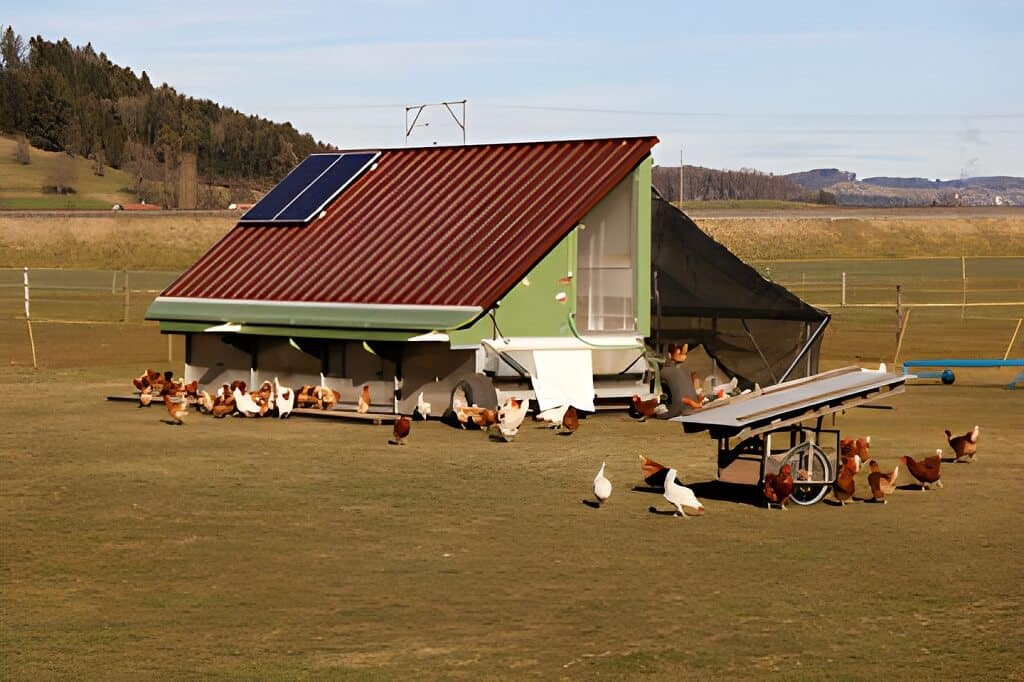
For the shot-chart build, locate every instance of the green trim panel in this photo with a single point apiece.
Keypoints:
(642, 260)
(331, 316)
(176, 327)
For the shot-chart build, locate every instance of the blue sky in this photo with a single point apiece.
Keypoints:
(880, 88)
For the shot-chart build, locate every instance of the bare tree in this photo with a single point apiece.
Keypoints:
(99, 161)
(22, 151)
(62, 175)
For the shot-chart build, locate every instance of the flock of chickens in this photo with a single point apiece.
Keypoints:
(854, 453)
(503, 423)
(779, 487)
(271, 399)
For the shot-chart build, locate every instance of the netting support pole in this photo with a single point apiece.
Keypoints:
(899, 314)
(963, 277)
(903, 330)
(1012, 339)
(842, 297)
(28, 321)
(127, 295)
(170, 340)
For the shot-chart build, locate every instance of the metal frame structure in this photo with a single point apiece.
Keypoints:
(745, 426)
(418, 108)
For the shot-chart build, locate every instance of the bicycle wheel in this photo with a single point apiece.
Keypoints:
(812, 473)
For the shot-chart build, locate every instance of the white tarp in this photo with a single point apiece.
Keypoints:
(562, 378)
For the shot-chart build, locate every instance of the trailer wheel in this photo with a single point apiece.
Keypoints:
(811, 461)
(675, 385)
(474, 389)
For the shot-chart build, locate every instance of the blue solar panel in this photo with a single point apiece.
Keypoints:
(267, 208)
(310, 202)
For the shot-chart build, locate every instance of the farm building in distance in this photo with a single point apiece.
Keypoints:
(529, 264)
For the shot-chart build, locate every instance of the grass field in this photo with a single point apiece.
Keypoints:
(759, 204)
(308, 550)
(21, 185)
(174, 240)
(245, 548)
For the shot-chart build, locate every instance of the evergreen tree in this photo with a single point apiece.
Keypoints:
(73, 99)
(12, 49)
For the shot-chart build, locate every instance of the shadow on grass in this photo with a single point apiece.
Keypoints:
(593, 504)
(716, 490)
(914, 487)
(662, 512)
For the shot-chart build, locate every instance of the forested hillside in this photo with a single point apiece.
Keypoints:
(708, 184)
(75, 100)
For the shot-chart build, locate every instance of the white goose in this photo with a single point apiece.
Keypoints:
(602, 486)
(511, 417)
(422, 408)
(679, 495)
(245, 404)
(285, 399)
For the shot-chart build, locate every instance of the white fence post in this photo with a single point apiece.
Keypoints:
(28, 321)
(963, 276)
(842, 300)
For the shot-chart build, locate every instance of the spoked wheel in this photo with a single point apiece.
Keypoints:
(812, 473)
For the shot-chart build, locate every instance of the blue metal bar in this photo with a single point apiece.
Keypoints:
(1012, 362)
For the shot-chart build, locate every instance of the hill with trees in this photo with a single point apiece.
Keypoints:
(709, 184)
(175, 149)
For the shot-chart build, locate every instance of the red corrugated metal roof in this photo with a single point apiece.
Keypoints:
(454, 226)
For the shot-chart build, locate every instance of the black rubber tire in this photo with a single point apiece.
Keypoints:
(478, 390)
(676, 385)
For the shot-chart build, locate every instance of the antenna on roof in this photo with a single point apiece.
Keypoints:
(460, 120)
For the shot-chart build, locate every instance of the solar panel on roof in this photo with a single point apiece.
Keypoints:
(267, 208)
(310, 186)
(333, 180)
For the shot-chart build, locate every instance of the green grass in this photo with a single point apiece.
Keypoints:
(21, 186)
(53, 202)
(760, 204)
(306, 549)
(261, 548)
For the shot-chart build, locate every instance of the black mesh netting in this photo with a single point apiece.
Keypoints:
(704, 295)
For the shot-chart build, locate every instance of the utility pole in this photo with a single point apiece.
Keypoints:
(680, 177)
(460, 118)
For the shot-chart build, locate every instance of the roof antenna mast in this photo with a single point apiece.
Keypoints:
(459, 118)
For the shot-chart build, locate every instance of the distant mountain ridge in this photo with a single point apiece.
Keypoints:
(836, 186)
(820, 178)
(994, 182)
(842, 187)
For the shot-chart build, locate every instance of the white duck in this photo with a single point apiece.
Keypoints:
(679, 495)
(285, 399)
(245, 404)
(602, 486)
(422, 410)
(511, 417)
(205, 402)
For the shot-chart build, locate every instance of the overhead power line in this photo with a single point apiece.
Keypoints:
(679, 114)
(749, 114)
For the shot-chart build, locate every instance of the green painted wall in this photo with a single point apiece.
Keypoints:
(531, 309)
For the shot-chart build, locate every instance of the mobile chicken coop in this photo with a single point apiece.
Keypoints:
(480, 269)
